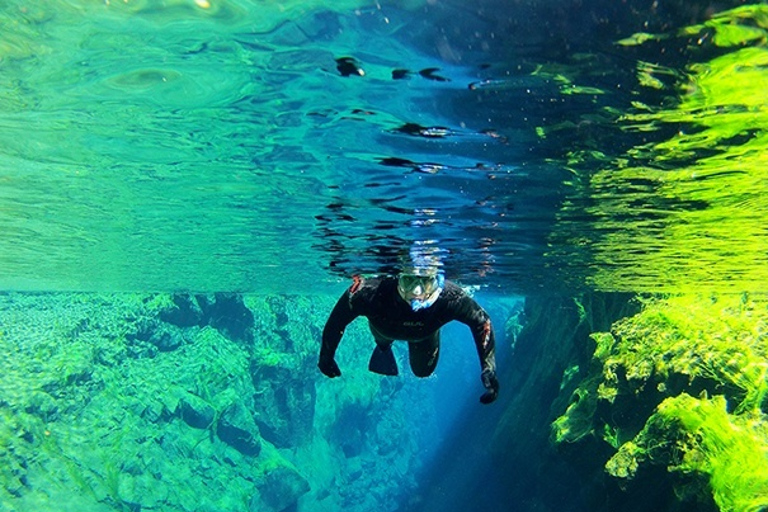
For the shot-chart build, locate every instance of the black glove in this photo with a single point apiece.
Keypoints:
(329, 367)
(491, 383)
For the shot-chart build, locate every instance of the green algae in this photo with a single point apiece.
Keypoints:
(732, 449)
(96, 411)
(638, 396)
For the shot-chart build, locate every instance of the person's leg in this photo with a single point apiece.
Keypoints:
(423, 355)
(382, 360)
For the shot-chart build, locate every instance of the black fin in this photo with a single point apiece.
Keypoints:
(383, 362)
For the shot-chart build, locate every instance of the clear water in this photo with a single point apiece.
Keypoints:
(182, 145)
(276, 148)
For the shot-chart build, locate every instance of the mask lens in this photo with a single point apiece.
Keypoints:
(408, 283)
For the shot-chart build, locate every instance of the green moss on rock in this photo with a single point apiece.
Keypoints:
(639, 396)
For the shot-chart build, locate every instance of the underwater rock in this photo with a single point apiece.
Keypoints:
(186, 312)
(196, 412)
(635, 411)
(285, 404)
(166, 339)
(141, 350)
(227, 313)
(154, 411)
(43, 405)
(142, 491)
(73, 372)
(12, 472)
(237, 428)
(151, 337)
(347, 432)
(282, 488)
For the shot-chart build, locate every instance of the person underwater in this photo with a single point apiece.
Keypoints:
(410, 307)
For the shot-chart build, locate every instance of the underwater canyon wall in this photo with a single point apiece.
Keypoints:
(213, 402)
(192, 403)
(614, 402)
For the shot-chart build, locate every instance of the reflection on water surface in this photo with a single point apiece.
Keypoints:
(229, 145)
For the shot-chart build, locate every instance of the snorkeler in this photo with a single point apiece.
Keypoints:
(411, 307)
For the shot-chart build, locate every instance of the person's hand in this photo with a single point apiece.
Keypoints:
(491, 383)
(329, 367)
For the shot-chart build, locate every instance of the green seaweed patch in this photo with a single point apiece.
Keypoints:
(715, 342)
(578, 420)
(698, 436)
(638, 396)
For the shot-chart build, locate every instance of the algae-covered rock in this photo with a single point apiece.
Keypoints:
(141, 492)
(195, 411)
(731, 449)
(285, 403)
(283, 486)
(237, 428)
(100, 411)
(227, 313)
(644, 375)
(184, 312)
(283, 367)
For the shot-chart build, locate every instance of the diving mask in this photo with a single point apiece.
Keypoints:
(420, 291)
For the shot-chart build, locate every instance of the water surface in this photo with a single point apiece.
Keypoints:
(238, 145)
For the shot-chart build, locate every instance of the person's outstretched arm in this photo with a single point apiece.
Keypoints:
(340, 318)
(473, 315)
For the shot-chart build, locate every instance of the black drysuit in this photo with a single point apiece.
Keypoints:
(391, 318)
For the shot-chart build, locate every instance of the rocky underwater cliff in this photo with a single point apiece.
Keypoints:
(619, 402)
(192, 403)
(213, 402)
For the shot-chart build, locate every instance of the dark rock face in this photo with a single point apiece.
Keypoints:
(227, 313)
(348, 431)
(286, 408)
(237, 428)
(196, 412)
(186, 313)
(165, 339)
(283, 487)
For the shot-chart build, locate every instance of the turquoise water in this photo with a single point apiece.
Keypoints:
(186, 186)
(171, 145)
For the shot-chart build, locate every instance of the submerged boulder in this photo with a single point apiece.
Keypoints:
(227, 313)
(196, 412)
(284, 405)
(237, 428)
(282, 488)
(185, 312)
(141, 491)
(679, 390)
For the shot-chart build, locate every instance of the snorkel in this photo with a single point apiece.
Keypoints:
(421, 280)
(420, 289)
(419, 304)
